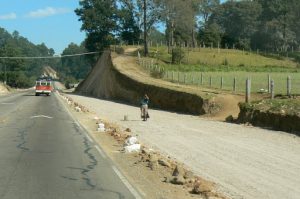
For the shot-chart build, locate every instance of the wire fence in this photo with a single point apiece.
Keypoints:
(285, 83)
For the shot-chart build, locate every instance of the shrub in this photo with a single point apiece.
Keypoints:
(120, 50)
(225, 62)
(177, 55)
(157, 74)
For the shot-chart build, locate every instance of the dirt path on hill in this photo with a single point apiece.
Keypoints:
(228, 101)
(245, 162)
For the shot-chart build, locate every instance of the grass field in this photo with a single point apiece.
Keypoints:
(259, 80)
(227, 57)
(241, 65)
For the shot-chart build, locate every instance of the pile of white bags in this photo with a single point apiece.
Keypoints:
(101, 127)
(131, 145)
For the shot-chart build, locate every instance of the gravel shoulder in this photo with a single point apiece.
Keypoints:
(245, 162)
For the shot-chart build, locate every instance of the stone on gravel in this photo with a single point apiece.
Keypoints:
(188, 175)
(178, 171)
(179, 180)
(164, 163)
(153, 164)
(200, 188)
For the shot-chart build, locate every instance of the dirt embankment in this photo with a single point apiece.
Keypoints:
(263, 115)
(107, 81)
(3, 89)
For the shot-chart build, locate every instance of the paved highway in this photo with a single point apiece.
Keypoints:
(44, 154)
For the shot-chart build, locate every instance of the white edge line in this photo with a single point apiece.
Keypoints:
(39, 116)
(122, 178)
(100, 151)
(89, 138)
(126, 183)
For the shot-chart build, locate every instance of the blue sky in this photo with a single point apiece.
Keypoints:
(50, 21)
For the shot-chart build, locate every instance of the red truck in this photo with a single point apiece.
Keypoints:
(43, 86)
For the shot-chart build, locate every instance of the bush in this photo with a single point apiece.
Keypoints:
(177, 55)
(120, 50)
(157, 74)
(68, 81)
(225, 62)
(18, 79)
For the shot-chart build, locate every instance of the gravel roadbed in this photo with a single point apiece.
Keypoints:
(245, 162)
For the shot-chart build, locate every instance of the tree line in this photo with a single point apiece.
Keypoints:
(21, 73)
(270, 25)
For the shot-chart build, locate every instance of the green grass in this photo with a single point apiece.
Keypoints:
(287, 106)
(214, 57)
(258, 80)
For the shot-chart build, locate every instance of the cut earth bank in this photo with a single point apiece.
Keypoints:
(244, 162)
(123, 79)
(3, 89)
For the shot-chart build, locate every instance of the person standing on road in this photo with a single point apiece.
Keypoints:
(144, 107)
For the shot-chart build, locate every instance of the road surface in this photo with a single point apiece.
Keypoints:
(45, 154)
(245, 162)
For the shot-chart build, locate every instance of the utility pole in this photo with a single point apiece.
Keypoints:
(145, 29)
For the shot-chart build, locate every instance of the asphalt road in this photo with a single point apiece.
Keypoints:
(44, 154)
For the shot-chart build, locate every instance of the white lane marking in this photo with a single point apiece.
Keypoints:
(89, 138)
(38, 116)
(101, 152)
(7, 103)
(126, 183)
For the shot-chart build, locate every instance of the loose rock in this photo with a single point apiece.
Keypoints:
(178, 171)
(178, 180)
(164, 163)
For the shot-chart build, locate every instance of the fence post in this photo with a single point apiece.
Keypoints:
(272, 89)
(289, 86)
(201, 79)
(248, 90)
(234, 84)
(269, 83)
(210, 81)
(172, 76)
(222, 81)
(184, 78)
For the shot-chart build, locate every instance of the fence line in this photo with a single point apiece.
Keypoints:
(262, 82)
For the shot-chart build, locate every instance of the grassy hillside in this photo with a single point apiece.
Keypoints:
(223, 57)
(210, 65)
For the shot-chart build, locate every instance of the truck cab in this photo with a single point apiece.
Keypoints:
(43, 86)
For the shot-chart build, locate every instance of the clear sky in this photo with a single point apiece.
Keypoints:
(50, 21)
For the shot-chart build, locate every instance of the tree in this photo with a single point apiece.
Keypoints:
(77, 66)
(99, 22)
(238, 22)
(20, 72)
(278, 25)
(148, 15)
(128, 22)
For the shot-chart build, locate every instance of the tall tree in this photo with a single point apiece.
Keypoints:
(277, 22)
(98, 21)
(128, 22)
(238, 21)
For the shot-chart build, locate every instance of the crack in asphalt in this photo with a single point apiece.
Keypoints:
(22, 140)
(89, 167)
(93, 163)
